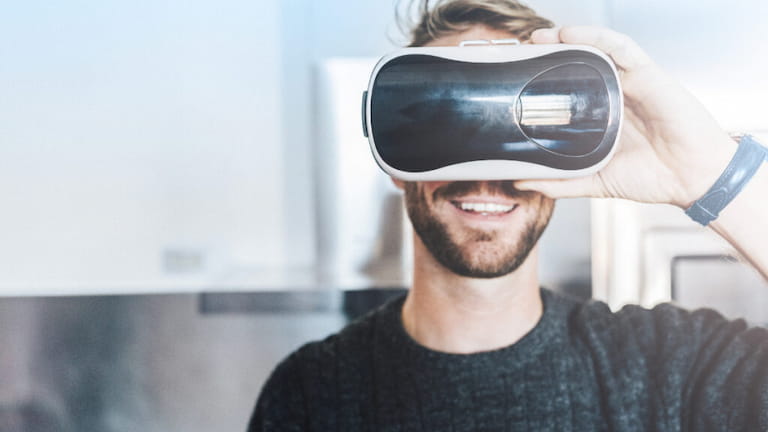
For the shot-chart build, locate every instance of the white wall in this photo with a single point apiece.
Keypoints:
(131, 127)
(717, 50)
(311, 32)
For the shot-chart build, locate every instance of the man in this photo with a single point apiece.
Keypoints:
(477, 345)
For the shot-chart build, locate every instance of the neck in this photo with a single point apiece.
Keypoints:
(455, 314)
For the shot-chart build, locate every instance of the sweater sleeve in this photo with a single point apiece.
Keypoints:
(718, 368)
(281, 404)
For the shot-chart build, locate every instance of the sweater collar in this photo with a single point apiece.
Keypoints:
(541, 338)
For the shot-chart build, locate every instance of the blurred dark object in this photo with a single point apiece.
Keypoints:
(359, 302)
(31, 416)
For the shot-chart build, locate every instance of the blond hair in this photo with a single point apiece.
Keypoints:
(448, 17)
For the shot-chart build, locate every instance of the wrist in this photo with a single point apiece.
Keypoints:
(740, 222)
(703, 170)
(746, 162)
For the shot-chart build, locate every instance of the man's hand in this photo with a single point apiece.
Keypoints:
(671, 150)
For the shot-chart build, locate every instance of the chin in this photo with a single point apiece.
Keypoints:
(477, 239)
(487, 261)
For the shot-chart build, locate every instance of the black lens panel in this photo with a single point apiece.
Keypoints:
(429, 112)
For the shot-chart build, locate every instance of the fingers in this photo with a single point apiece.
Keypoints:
(564, 188)
(624, 51)
(546, 36)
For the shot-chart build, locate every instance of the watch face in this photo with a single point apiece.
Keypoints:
(560, 110)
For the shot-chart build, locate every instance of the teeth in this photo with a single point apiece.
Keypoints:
(485, 207)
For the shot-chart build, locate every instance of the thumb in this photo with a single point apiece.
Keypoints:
(621, 48)
(563, 188)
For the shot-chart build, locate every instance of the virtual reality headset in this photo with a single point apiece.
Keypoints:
(493, 112)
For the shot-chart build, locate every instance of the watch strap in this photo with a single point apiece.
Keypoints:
(747, 160)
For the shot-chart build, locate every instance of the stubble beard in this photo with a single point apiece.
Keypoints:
(477, 253)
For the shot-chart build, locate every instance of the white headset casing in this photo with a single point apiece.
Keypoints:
(493, 112)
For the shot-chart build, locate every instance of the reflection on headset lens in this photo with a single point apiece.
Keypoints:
(565, 109)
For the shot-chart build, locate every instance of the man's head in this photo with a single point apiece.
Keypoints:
(451, 17)
(476, 229)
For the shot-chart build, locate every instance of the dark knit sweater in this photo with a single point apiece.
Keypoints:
(582, 368)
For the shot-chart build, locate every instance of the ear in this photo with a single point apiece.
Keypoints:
(398, 183)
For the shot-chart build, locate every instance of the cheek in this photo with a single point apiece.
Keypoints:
(538, 205)
(536, 199)
(427, 189)
(542, 210)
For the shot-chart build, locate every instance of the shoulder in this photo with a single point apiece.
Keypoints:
(598, 316)
(354, 339)
(348, 347)
(663, 320)
(663, 329)
(309, 380)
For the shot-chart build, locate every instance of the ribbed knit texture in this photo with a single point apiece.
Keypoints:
(582, 368)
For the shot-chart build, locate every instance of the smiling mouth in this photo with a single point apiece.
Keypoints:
(484, 208)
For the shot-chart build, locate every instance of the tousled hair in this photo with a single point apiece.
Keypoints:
(446, 17)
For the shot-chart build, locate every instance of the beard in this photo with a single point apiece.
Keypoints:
(477, 253)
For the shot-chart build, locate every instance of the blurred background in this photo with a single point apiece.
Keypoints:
(186, 196)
